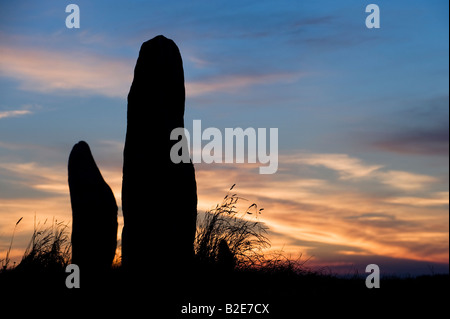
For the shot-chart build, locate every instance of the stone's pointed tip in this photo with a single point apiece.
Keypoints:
(159, 40)
(80, 152)
(81, 145)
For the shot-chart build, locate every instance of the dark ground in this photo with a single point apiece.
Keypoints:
(289, 295)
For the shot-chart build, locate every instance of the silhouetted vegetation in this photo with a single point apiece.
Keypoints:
(5, 262)
(49, 248)
(245, 238)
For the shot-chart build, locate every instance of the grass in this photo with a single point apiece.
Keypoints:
(48, 249)
(6, 261)
(243, 233)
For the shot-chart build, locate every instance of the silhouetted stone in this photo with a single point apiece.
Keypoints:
(159, 198)
(225, 258)
(94, 212)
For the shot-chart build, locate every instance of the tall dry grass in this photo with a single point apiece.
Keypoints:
(243, 232)
(49, 247)
(6, 261)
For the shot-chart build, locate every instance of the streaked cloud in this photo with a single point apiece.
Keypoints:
(406, 180)
(65, 72)
(21, 111)
(235, 83)
(346, 166)
(421, 141)
(14, 113)
(26, 109)
(424, 129)
(51, 71)
(38, 177)
(353, 168)
(438, 199)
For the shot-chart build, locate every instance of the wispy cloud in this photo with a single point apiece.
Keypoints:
(422, 130)
(346, 166)
(353, 168)
(438, 199)
(70, 72)
(13, 113)
(25, 109)
(38, 177)
(405, 180)
(52, 71)
(233, 83)
(433, 141)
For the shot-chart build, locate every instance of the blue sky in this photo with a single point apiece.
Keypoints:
(362, 114)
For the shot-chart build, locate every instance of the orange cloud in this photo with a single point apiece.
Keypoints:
(51, 71)
(406, 180)
(438, 199)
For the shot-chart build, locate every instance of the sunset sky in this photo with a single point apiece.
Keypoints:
(363, 116)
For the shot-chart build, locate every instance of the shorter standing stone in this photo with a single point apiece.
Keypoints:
(94, 212)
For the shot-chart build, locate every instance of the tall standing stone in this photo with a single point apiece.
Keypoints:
(94, 212)
(159, 198)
